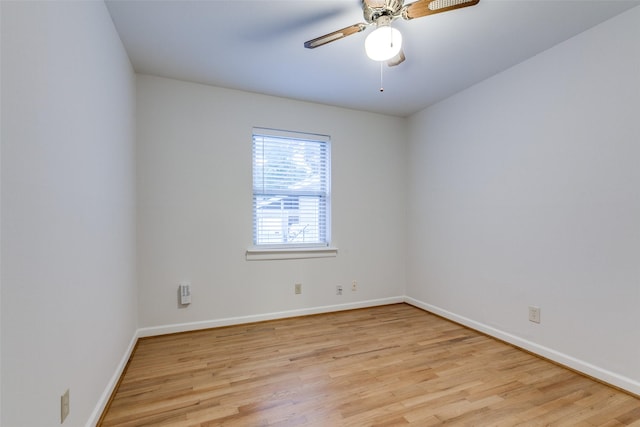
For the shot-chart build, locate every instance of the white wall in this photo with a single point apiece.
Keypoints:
(522, 190)
(68, 209)
(194, 205)
(525, 190)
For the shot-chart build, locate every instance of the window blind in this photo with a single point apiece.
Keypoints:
(291, 189)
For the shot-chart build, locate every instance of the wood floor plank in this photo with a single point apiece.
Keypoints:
(383, 366)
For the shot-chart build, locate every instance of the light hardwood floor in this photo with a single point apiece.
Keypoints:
(381, 366)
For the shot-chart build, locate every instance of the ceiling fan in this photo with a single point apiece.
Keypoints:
(385, 42)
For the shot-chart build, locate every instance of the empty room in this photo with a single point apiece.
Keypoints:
(320, 213)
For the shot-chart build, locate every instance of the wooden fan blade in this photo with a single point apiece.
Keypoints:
(429, 7)
(336, 35)
(396, 60)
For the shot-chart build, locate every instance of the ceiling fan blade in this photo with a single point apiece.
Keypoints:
(336, 35)
(429, 7)
(396, 60)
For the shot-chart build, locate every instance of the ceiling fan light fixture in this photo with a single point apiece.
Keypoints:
(383, 43)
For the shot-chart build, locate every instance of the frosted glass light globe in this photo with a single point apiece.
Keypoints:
(383, 43)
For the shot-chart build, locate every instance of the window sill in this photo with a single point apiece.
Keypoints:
(261, 254)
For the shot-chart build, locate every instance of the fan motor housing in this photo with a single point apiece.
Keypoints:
(389, 8)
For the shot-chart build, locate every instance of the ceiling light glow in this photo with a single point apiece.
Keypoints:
(383, 43)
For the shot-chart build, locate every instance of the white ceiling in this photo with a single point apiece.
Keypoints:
(257, 46)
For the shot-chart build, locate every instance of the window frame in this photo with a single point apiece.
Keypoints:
(267, 251)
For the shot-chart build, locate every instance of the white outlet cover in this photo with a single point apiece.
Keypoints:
(534, 314)
(64, 406)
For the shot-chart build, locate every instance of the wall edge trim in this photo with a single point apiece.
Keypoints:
(597, 373)
(95, 416)
(228, 321)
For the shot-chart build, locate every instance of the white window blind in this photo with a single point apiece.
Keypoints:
(291, 189)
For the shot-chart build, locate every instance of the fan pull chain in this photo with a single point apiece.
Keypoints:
(381, 86)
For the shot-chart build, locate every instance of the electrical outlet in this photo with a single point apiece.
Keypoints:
(339, 290)
(354, 286)
(534, 314)
(64, 406)
(185, 293)
(298, 288)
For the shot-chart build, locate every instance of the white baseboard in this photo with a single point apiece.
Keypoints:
(113, 382)
(586, 368)
(216, 323)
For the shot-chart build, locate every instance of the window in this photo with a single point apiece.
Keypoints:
(291, 190)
